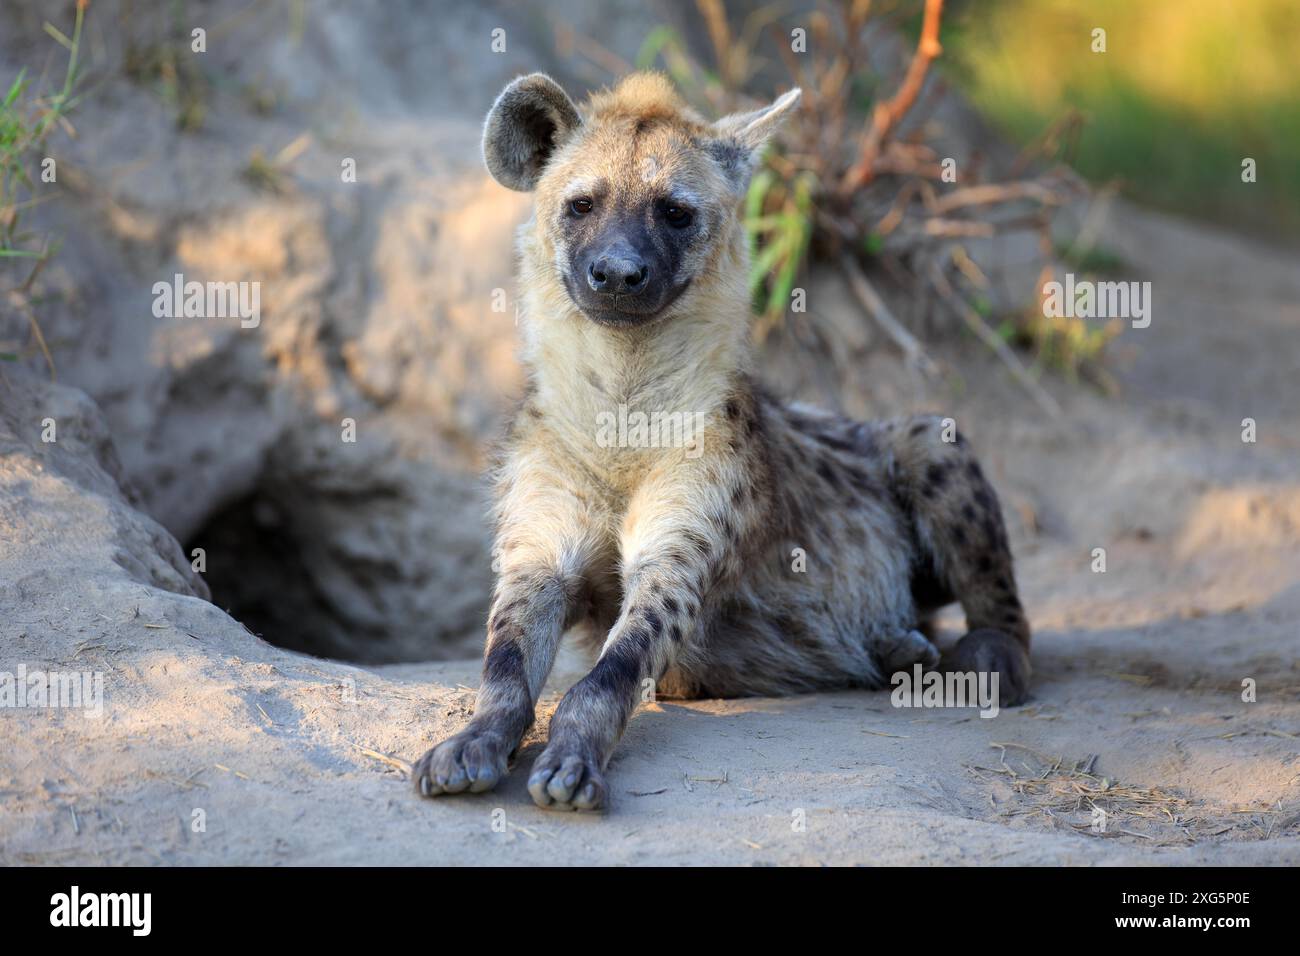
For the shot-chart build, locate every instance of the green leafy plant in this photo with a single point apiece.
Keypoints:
(1068, 344)
(779, 219)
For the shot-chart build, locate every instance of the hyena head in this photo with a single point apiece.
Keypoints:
(637, 210)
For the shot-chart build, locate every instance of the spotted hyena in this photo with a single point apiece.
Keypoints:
(775, 550)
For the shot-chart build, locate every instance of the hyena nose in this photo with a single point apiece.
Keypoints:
(617, 274)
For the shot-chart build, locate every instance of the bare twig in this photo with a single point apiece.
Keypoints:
(888, 114)
(879, 312)
(715, 18)
(992, 193)
(1093, 222)
(566, 40)
(937, 228)
(990, 338)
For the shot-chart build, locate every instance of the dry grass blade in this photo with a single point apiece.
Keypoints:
(1048, 788)
(397, 762)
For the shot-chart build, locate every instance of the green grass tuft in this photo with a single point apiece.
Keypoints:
(26, 121)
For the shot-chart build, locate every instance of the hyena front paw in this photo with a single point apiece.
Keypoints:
(987, 651)
(473, 760)
(907, 648)
(564, 778)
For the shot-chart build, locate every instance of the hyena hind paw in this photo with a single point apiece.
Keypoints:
(987, 650)
(471, 760)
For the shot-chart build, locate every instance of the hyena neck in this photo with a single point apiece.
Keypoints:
(690, 363)
(686, 368)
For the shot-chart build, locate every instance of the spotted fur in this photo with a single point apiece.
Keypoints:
(785, 550)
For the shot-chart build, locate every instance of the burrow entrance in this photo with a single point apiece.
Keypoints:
(369, 576)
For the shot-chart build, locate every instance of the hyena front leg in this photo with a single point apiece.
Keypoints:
(541, 590)
(528, 616)
(671, 556)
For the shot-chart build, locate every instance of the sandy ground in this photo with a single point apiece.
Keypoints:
(215, 747)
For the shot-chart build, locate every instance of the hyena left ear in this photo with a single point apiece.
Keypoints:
(742, 136)
(530, 118)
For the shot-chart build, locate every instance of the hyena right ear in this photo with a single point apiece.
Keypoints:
(530, 118)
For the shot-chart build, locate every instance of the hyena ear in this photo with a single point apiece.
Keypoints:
(530, 118)
(742, 136)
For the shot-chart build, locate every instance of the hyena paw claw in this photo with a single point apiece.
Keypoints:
(471, 760)
(563, 780)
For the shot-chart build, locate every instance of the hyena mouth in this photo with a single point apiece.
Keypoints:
(623, 311)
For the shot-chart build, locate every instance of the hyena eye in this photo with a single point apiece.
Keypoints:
(679, 217)
(580, 207)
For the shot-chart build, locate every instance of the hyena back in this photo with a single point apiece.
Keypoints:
(781, 549)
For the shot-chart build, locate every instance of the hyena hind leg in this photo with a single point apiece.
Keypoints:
(959, 528)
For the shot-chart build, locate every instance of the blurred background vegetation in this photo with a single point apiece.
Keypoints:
(1162, 109)
(1185, 90)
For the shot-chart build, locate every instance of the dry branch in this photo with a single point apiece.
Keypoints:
(888, 114)
(992, 193)
(871, 190)
(995, 343)
(875, 307)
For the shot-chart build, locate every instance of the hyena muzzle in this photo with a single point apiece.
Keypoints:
(777, 549)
